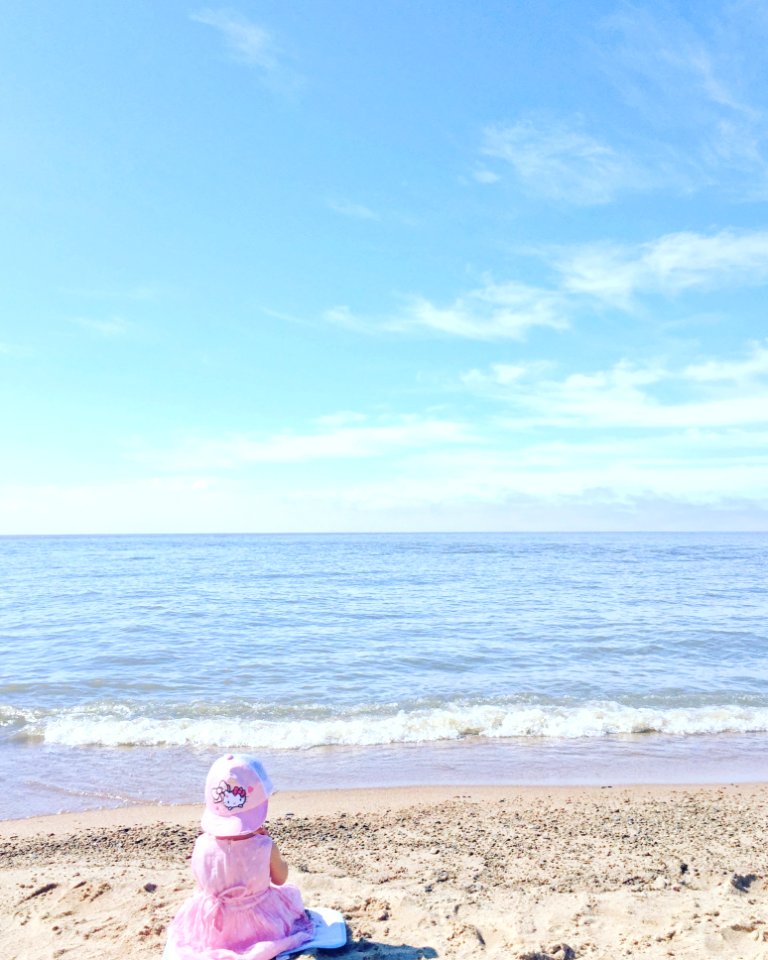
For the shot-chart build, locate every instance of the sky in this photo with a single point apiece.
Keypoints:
(377, 265)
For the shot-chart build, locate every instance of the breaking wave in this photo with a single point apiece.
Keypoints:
(119, 725)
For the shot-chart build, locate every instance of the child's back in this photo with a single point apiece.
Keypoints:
(237, 912)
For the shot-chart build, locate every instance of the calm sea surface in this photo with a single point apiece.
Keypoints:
(127, 663)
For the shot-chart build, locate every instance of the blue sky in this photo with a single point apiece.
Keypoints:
(348, 265)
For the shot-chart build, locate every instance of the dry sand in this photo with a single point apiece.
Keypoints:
(435, 872)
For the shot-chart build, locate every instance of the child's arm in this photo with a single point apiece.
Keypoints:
(278, 868)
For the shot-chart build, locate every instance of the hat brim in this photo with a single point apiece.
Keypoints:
(236, 824)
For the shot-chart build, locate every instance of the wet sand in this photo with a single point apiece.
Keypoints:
(441, 872)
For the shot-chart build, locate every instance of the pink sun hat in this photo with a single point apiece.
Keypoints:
(237, 789)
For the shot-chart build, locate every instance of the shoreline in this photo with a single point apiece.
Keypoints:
(338, 800)
(646, 871)
(82, 778)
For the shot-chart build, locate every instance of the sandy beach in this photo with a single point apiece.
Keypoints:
(433, 872)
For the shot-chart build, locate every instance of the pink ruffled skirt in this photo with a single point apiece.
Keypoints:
(239, 925)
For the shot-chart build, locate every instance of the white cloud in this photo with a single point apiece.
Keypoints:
(694, 89)
(612, 274)
(492, 312)
(672, 264)
(621, 435)
(562, 162)
(736, 371)
(250, 43)
(342, 316)
(700, 63)
(345, 437)
(694, 117)
(629, 438)
(586, 476)
(631, 397)
(486, 176)
(356, 211)
(665, 64)
(504, 374)
(501, 499)
(585, 401)
(114, 327)
(495, 311)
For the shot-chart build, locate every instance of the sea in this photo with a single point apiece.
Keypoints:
(128, 663)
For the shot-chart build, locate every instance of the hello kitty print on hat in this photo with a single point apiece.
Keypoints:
(236, 796)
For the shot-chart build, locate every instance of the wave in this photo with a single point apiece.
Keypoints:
(120, 726)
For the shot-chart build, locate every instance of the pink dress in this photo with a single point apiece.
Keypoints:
(237, 913)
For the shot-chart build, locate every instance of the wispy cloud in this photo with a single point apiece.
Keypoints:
(694, 88)
(250, 43)
(484, 175)
(669, 265)
(342, 316)
(736, 371)
(637, 436)
(356, 211)
(506, 374)
(495, 311)
(663, 64)
(346, 436)
(629, 396)
(563, 162)
(114, 327)
(616, 275)
(699, 121)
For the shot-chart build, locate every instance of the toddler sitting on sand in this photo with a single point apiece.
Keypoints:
(242, 909)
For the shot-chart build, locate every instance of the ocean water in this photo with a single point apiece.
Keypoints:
(127, 663)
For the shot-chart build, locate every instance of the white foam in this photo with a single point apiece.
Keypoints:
(451, 722)
(15, 715)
